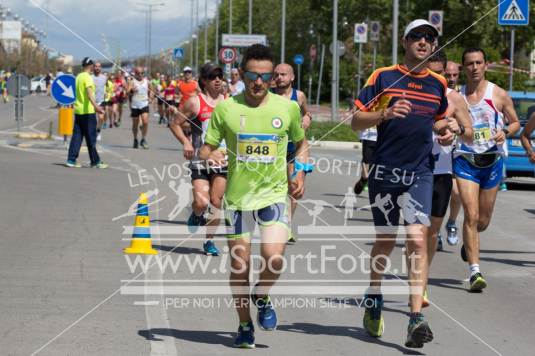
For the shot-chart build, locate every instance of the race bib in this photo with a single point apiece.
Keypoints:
(258, 148)
(482, 134)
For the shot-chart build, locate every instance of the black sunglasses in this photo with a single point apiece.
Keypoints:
(213, 76)
(416, 36)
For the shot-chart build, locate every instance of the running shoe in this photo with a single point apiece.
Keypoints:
(477, 283)
(373, 320)
(359, 186)
(72, 164)
(117, 123)
(366, 187)
(418, 333)
(99, 137)
(100, 165)
(503, 187)
(291, 238)
(267, 318)
(195, 221)
(210, 249)
(440, 243)
(136, 143)
(144, 144)
(245, 338)
(104, 126)
(452, 238)
(463, 254)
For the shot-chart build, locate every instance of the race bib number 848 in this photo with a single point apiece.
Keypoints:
(259, 148)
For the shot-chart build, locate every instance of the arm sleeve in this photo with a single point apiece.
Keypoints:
(296, 132)
(369, 95)
(215, 132)
(441, 113)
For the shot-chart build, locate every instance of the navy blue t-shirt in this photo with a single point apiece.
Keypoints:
(405, 144)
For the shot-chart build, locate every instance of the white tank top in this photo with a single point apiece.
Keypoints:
(442, 154)
(140, 98)
(486, 121)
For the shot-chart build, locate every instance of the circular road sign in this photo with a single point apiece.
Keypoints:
(18, 85)
(299, 59)
(63, 89)
(228, 55)
(436, 19)
(341, 48)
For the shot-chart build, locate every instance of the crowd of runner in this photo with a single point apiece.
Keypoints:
(429, 143)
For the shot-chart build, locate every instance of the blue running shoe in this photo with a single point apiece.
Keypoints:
(195, 221)
(245, 338)
(503, 187)
(210, 249)
(267, 318)
(452, 238)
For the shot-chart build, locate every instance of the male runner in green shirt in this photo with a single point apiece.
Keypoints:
(256, 126)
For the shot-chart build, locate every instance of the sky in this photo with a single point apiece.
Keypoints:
(119, 22)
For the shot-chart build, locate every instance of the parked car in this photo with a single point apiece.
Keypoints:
(517, 163)
(38, 84)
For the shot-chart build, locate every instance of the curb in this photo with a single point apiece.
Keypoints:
(32, 135)
(336, 145)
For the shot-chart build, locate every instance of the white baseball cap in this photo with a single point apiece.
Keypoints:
(187, 69)
(419, 23)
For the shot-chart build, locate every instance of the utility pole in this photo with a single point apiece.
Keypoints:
(283, 31)
(197, 36)
(216, 32)
(191, 35)
(230, 16)
(205, 30)
(334, 77)
(250, 17)
(149, 8)
(395, 25)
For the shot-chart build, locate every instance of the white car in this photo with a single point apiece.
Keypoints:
(38, 84)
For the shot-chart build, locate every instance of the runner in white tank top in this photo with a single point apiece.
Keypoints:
(140, 89)
(459, 122)
(478, 165)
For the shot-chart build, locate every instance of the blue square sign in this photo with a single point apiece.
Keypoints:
(178, 53)
(513, 12)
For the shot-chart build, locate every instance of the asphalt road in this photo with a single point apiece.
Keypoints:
(68, 289)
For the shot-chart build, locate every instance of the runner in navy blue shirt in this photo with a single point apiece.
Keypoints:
(406, 102)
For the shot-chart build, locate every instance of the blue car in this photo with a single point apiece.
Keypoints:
(517, 163)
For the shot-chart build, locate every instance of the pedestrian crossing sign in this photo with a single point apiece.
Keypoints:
(513, 12)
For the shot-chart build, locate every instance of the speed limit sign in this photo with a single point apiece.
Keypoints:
(228, 55)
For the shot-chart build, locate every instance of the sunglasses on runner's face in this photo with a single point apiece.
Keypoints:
(416, 36)
(253, 76)
(215, 75)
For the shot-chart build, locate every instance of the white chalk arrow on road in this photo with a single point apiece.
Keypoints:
(67, 91)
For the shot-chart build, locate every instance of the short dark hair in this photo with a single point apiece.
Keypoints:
(257, 52)
(474, 50)
(438, 56)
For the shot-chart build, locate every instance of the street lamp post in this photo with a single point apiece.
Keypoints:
(334, 80)
(150, 7)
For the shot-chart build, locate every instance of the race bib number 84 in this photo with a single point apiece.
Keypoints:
(258, 148)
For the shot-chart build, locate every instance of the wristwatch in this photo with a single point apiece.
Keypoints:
(506, 132)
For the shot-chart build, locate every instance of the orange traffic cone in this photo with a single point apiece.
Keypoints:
(141, 243)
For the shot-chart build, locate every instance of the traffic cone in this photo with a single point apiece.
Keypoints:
(141, 243)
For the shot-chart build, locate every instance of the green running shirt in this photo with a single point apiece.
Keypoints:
(257, 140)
